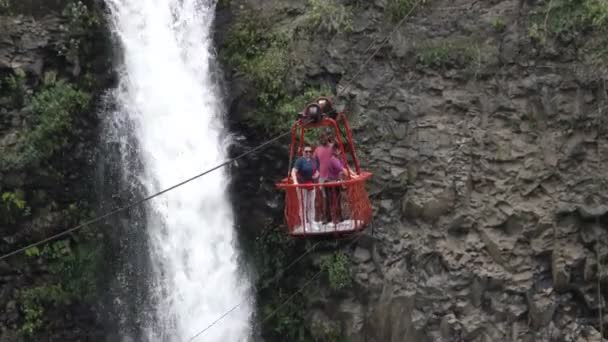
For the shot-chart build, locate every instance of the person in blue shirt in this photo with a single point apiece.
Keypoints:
(305, 171)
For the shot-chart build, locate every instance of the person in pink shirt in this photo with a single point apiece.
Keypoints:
(323, 154)
(336, 171)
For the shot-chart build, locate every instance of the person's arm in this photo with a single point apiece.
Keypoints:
(294, 175)
(353, 174)
(344, 172)
(294, 171)
(346, 167)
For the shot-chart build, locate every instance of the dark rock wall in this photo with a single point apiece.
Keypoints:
(54, 62)
(483, 123)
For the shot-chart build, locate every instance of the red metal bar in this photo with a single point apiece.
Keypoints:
(291, 147)
(350, 141)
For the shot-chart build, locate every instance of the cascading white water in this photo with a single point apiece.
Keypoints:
(166, 94)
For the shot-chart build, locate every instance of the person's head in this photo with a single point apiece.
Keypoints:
(307, 151)
(325, 104)
(322, 103)
(326, 138)
(336, 152)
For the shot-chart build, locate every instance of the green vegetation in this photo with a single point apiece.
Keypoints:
(329, 16)
(337, 268)
(437, 56)
(221, 4)
(5, 7)
(53, 109)
(272, 253)
(43, 124)
(73, 267)
(265, 58)
(498, 24)
(12, 207)
(82, 23)
(328, 332)
(398, 9)
(32, 305)
(286, 318)
(446, 55)
(560, 16)
(16, 87)
(571, 18)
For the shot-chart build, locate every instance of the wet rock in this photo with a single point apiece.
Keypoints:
(448, 327)
(362, 255)
(542, 308)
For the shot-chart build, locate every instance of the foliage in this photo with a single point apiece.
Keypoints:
(337, 267)
(246, 39)
(437, 56)
(32, 305)
(286, 317)
(80, 18)
(81, 23)
(5, 6)
(498, 24)
(329, 16)
(53, 109)
(12, 207)
(562, 16)
(264, 58)
(75, 270)
(268, 71)
(16, 87)
(286, 109)
(221, 4)
(445, 55)
(273, 251)
(567, 19)
(328, 332)
(398, 9)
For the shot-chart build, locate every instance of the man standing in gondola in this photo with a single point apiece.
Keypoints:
(305, 171)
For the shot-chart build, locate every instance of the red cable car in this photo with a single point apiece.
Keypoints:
(306, 205)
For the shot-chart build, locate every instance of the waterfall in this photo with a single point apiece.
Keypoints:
(170, 106)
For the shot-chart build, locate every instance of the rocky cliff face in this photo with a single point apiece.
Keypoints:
(483, 122)
(53, 68)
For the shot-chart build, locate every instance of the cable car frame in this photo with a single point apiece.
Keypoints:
(350, 207)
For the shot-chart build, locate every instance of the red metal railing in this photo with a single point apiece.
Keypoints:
(332, 208)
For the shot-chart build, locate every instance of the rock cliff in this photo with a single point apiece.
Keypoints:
(483, 122)
(53, 69)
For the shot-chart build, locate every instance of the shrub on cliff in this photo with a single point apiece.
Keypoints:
(328, 16)
(52, 110)
(265, 58)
